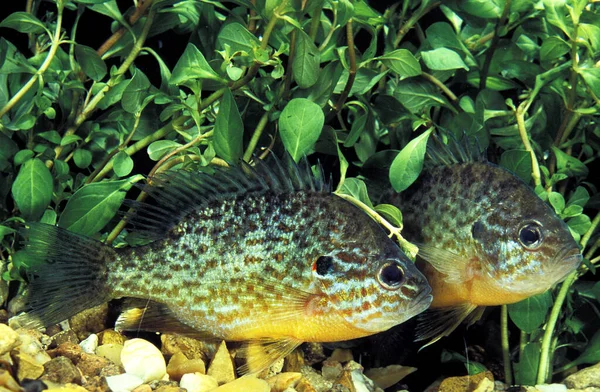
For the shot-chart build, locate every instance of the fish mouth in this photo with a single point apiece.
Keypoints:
(421, 302)
(566, 261)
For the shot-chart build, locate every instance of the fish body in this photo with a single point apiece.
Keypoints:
(485, 238)
(243, 255)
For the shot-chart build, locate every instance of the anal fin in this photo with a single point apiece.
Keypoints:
(260, 354)
(435, 324)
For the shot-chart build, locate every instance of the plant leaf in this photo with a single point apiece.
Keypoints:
(229, 130)
(300, 125)
(408, 164)
(306, 62)
(32, 189)
(530, 313)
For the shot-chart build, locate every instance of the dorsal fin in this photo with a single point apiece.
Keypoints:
(447, 149)
(176, 194)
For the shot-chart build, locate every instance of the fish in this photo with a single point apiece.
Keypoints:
(266, 255)
(484, 236)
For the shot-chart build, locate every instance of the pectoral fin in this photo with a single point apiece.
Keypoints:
(262, 353)
(445, 262)
(434, 324)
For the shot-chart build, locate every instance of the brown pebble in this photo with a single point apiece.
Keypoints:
(341, 355)
(168, 388)
(313, 353)
(304, 386)
(283, 381)
(96, 384)
(67, 349)
(345, 379)
(221, 367)
(3, 316)
(91, 365)
(464, 383)
(331, 370)
(68, 336)
(180, 365)
(192, 348)
(27, 366)
(89, 321)
(294, 361)
(110, 336)
(61, 370)
(67, 388)
(7, 382)
(143, 388)
(246, 383)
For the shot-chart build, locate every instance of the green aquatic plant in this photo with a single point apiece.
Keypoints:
(95, 98)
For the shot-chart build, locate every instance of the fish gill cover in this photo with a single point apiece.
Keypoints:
(98, 96)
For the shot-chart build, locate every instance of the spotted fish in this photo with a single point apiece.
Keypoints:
(266, 255)
(484, 237)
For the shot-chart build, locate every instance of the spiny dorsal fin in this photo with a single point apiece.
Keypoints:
(447, 150)
(175, 194)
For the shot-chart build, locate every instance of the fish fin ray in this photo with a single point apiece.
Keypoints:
(453, 266)
(66, 274)
(455, 150)
(262, 353)
(178, 193)
(146, 315)
(435, 324)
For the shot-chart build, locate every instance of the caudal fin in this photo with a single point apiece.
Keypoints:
(67, 274)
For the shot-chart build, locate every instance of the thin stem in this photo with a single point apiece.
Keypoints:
(588, 234)
(441, 85)
(535, 167)
(490, 53)
(505, 345)
(316, 21)
(117, 35)
(545, 354)
(593, 249)
(352, 71)
(264, 120)
(192, 143)
(522, 344)
(34, 78)
(419, 13)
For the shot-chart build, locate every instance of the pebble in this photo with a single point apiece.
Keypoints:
(111, 351)
(464, 383)
(31, 345)
(9, 339)
(123, 382)
(547, 388)
(196, 382)
(67, 388)
(246, 383)
(341, 355)
(142, 359)
(110, 336)
(27, 366)
(61, 370)
(92, 365)
(143, 388)
(180, 365)
(331, 370)
(192, 348)
(390, 375)
(585, 378)
(64, 336)
(89, 321)
(89, 344)
(283, 381)
(294, 361)
(313, 353)
(313, 379)
(7, 382)
(170, 388)
(221, 367)
(485, 385)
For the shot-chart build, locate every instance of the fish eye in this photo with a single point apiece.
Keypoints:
(530, 235)
(391, 276)
(324, 265)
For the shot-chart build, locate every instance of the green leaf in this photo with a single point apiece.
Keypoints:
(82, 158)
(568, 164)
(91, 63)
(443, 59)
(402, 62)
(300, 125)
(4, 230)
(553, 47)
(94, 205)
(557, 201)
(51, 136)
(526, 369)
(136, 92)
(8, 148)
(530, 313)
(238, 38)
(408, 164)
(558, 15)
(306, 62)
(69, 139)
(23, 22)
(357, 189)
(91, 1)
(32, 189)
(591, 354)
(123, 164)
(160, 148)
(592, 79)
(23, 156)
(391, 213)
(580, 197)
(580, 224)
(192, 65)
(519, 162)
(483, 8)
(442, 35)
(229, 130)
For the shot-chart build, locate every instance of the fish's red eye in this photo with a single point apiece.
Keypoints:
(391, 276)
(530, 235)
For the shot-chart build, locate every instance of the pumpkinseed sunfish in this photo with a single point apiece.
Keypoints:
(484, 237)
(265, 255)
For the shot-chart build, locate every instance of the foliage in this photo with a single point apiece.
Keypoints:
(79, 124)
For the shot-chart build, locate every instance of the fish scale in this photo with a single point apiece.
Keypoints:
(267, 256)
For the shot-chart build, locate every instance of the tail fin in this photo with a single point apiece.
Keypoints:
(67, 274)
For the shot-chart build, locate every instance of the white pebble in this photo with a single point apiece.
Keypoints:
(89, 344)
(143, 359)
(197, 382)
(551, 388)
(123, 382)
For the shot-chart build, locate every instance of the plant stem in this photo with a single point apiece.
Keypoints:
(535, 168)
(418, 14)
(490, 53)
(193, 142)
(34, 78)
(522, 344)
(545, 354)
(117, 35)
(262, 123)
(351, 72)
(505, 345)
(316, 21)
(442, 86)
(588, 234)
